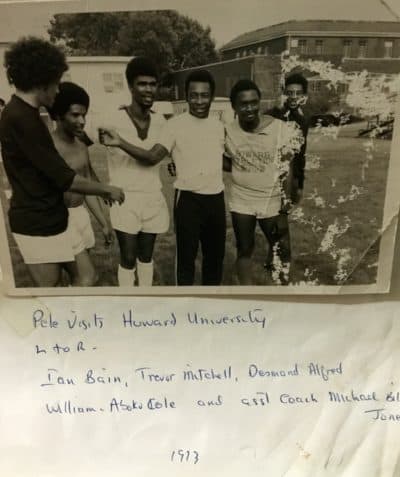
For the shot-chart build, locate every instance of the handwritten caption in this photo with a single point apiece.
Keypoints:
(251, 384)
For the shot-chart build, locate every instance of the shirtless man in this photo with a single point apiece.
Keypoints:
(69, 111)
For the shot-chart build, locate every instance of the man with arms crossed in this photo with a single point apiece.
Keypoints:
(295, 93)
(144, 213)
(38, 175)
(296, 87)
(195, 141)
(260, 180)
(69, 111)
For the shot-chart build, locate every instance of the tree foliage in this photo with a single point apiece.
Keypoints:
(172, 40)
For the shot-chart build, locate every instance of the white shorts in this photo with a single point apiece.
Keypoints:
(243, 202)
(80, 229)
(52, 249)
(141, 212)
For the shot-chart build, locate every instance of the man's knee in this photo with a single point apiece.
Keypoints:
(145, 254)
(44, 276)
(128, 260)
(88, 279)
(245, 250)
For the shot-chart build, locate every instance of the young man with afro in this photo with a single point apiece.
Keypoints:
(144, 214)
(37, 173)
(295, 93)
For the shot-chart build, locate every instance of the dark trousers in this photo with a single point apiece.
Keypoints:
(200, 218)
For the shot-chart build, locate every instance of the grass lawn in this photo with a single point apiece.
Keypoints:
(334, 167)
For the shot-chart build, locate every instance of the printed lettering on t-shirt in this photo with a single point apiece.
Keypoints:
(249, 160)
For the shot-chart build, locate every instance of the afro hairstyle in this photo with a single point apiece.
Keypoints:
(140, 66)
(69, 93)
(297, 78)
(34, 63)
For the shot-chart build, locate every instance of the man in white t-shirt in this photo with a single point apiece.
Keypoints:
(144, 214)
(195, 141)
(260, 150)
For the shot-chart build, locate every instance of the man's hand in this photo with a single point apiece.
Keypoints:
(108, 235)
(172, 169)
(113, 194)
(109, 137)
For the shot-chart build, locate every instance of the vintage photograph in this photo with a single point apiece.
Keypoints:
(198, 150)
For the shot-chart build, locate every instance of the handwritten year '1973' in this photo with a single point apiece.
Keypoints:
(180, 455)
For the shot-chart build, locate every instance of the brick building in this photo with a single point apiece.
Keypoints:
(265, 71)
(328, 40)
(349, 45)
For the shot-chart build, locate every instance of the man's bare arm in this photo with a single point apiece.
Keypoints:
(87, 187)
(91, 174)
(146, 157)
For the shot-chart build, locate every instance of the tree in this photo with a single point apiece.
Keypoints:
(85, 34)
(172, 40)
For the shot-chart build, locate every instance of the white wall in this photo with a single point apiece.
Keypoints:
(105, 94)
(5, 89)
(88, 73)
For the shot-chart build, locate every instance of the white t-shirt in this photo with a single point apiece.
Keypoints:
(258, 157)
(125, 171)
(196, 146)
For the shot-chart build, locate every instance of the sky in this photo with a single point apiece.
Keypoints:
(227, 18)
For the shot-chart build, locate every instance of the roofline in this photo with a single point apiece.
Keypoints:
(347, 34)
(98, 59)
(222, 62)
(390, 59)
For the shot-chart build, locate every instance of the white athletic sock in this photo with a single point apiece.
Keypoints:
(145, 273)
(126, 277)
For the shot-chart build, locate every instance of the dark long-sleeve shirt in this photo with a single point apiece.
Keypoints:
(299, 160)
(38, 175)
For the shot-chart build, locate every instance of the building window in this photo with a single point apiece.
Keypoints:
(118, 81)
(294, 43)
(265, 50)
(362, 48)
(388, 49)
(244, 53)
(319, 44)
(316, 86)
(303, 46)
(238, 54)
(259, 50)
(342, 88)
(113, 82)
(347, 48)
